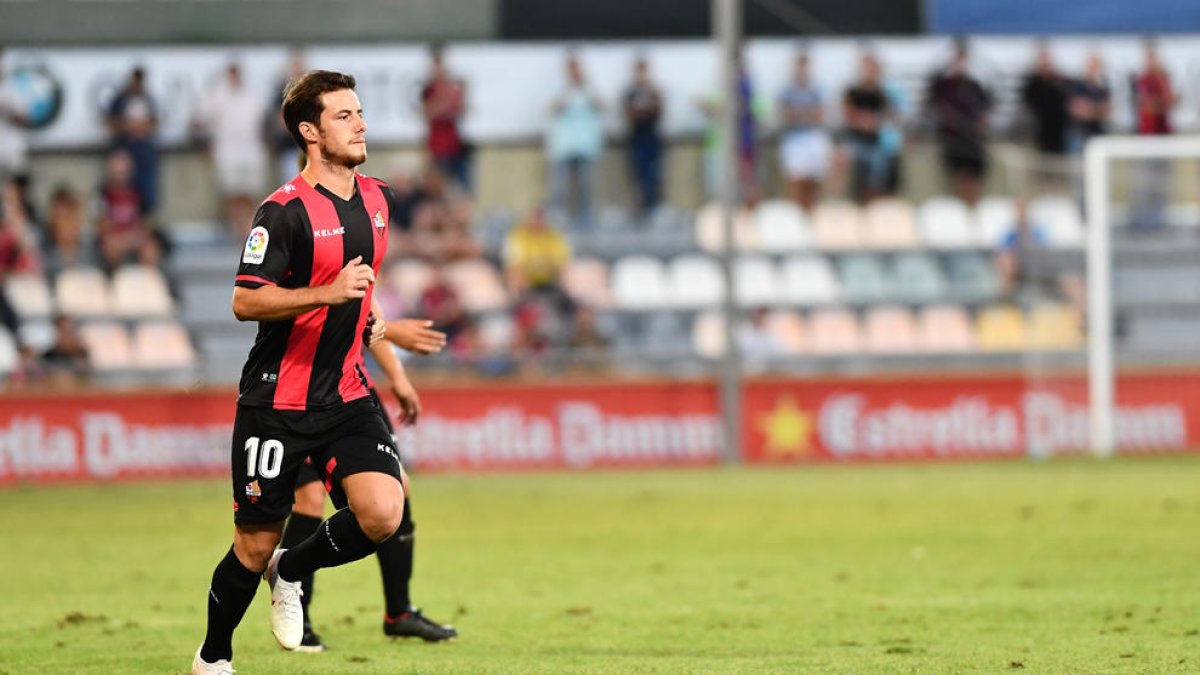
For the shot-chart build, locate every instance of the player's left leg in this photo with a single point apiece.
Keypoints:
(395, 566)
(307, 512)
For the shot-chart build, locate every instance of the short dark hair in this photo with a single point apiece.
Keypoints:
(302, 99)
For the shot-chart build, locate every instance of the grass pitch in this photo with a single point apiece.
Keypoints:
(1063, 567)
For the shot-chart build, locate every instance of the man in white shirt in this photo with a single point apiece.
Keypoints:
(13, 111)
(237, 148)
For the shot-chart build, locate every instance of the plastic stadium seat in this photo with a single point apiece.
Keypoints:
(1054, 326)
(918, 278)
(497, 332)
(1001, 328)
(972, 278)
(410, 278)
(710, 229)
(837, 226)
(666, 334)
(39, 335)
(639, 282)
(756, 281)
(162, 344)
(1061, 219)
(586, 281)
(945, 223)
(9, 358)
(782, 226)
(108, 344)
(864, 279)
(708, 334)
(29, 295)
(944, 328)
(809, 280)
(478, 285)
(694, 281)
(834, 331)
(140, 291)
(890, 330)
(82, 291)
(994, 219)
(790, 329)
(889, 224)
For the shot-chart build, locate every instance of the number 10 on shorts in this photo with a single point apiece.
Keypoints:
(268, 463)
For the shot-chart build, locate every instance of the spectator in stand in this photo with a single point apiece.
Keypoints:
(283, 146)
(643, 113)
(66, 361)
(756, 342)
(1154, 97)
(432, 220)
(14, 151)
(133, 121)
(1016, 264)
(960, 106)
(535, 255)
(805, 149)
(588, 343)
(237, 149)
(18, 255)
(1045, 93)
(866, 107)
(750, 109)
(443, 102)
(573, 145)
(65, 246)
(439, 302)
(1090, 104)
(123, 233)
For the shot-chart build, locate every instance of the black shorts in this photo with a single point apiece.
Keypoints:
(269, 447)
(309, 473)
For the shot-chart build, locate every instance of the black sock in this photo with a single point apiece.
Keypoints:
(232, 590)
(300, 527)
(396, 565)
(337, 541)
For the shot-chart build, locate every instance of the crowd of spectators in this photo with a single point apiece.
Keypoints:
(860, 157)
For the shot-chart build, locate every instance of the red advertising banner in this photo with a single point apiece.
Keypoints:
(621, 424)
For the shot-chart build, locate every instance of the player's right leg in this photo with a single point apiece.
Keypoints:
(263, 474)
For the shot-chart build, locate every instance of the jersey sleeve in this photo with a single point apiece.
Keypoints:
(267, 255)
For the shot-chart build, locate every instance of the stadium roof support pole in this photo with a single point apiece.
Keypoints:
(1101, 372)
(726, 21)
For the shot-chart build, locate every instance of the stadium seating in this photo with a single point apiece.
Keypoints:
(140, 291)
(585, 280)
(945, 223)
(944, 329)
(477, 284)
(890, 330)
(790, 329)
(162, 344)
(639, 282)
(918, 278)
(9, 357)
(1061, 219)
(782, 227)
(1054, 327)
(834, 331)
(29, 295)
(710, 229)
(756, 281)
(410, 278)
(837, 226)
(83, 292)
(809, 280)
(108, 344)
(889, 224)
(694, 282)
(708, 334)
(864, 279)
(1001, 328)
(972, 279)
(39, 335)
(995, 216)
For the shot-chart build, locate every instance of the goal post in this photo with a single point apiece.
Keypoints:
(1099, 155)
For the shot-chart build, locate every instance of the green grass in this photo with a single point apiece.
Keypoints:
(1063, 567)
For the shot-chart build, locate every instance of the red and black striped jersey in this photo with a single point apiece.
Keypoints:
(304, 235)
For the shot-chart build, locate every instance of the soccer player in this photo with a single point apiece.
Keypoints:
(306, 277)
(395, 555)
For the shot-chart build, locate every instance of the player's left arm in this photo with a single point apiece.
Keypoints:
(398, 383)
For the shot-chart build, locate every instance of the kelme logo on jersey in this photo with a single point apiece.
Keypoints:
(256, 246)
(379, 220)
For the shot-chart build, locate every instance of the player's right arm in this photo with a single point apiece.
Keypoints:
(266, 261)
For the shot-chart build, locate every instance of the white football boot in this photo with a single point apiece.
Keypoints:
(202, 667)
(287, 616)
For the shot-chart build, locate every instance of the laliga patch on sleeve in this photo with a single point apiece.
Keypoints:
(256, 246)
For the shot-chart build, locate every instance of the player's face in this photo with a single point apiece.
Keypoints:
(343, 129)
